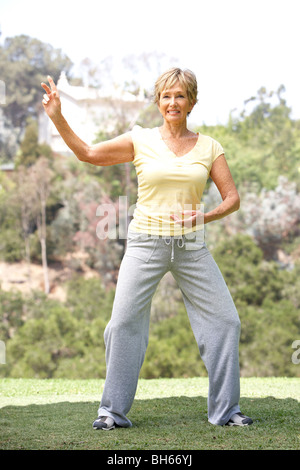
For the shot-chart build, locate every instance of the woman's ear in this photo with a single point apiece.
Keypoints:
(192, 104)
(191, 107)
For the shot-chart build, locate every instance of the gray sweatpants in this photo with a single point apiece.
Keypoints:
(212, 314)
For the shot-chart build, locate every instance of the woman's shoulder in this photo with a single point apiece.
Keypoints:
(142, 134)
(137, 129)
(206, 138)
(210, 146)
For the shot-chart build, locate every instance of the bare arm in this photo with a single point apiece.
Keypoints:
(221, 176)
(111, 152)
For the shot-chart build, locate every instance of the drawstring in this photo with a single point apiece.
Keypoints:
(180, 244)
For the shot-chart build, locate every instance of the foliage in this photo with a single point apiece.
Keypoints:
(76, 225)
(67, 338)
(11, 243)
(25, 63)
(273, 216)
(172, 350)
(257, 248)
(250, 278)
(267, 303)
(270, 217)
(30, 149)
(267, 336)
(46, 338)
(11, 313)
(262, 143)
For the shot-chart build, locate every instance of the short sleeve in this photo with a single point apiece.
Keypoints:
(136, 137)
(217, 150)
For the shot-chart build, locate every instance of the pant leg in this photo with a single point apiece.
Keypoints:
(216, 326)
(126, 335)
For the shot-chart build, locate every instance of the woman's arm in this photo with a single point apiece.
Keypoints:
(111, 152)
(221, 176)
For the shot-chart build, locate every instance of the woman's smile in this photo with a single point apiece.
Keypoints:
(174, 103)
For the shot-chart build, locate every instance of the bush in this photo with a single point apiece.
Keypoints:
(172, 350)
(266, 339)
(11, 246)
(47, 338)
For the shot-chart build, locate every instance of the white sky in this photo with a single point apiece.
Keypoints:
(233, 46)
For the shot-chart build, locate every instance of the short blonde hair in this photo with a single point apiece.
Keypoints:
(168, 79)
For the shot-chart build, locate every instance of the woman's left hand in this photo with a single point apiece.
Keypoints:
(51, 99)
(189, 218)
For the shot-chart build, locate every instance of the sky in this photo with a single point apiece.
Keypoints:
(233, 46)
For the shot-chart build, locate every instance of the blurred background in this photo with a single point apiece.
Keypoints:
(57, 278)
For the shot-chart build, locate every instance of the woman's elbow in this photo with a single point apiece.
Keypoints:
(85, 155)
(237, 202)
(233, 202)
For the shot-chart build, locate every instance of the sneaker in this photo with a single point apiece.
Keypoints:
(104, 422)
(238, 419)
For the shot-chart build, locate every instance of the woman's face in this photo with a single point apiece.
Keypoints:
(174, 104)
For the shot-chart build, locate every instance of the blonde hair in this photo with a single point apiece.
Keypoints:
(168, 79)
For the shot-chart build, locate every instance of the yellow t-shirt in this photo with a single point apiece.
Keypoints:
(168, 184)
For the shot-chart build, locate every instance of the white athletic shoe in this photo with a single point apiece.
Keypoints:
(104, 422)
(238, 419)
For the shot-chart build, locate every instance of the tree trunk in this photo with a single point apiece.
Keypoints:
(45, 265)
(43, 231)
(27, 257)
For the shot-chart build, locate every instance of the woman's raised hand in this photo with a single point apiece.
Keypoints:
(51, 100)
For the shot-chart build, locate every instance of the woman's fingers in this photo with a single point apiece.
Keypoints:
(180, 221)
(52, 88)
(46, 88)
(46, 99)
(51, 92)
(52, 84)
(196, 217)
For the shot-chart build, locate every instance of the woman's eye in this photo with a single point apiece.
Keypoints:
(168, 96)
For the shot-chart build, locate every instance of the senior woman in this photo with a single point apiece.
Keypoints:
(172, 165)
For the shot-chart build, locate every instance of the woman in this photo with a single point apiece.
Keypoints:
(172, 165)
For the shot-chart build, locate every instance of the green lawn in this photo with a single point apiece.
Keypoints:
(168, 414)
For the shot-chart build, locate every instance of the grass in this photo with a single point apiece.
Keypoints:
(168, 414)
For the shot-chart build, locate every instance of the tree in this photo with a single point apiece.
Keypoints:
(24, 64)
(41, 177)
(8, 140)
(25, 198)
(268, 138)
(273, 216)
(30, 149)
(270, 217)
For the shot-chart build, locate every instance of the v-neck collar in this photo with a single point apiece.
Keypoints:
(171, 151)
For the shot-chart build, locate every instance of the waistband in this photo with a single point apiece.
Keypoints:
(187, 240)
(171, 240)
(196, 235)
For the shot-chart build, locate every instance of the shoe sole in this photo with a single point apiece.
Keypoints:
(103, 429)
(239, 424)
